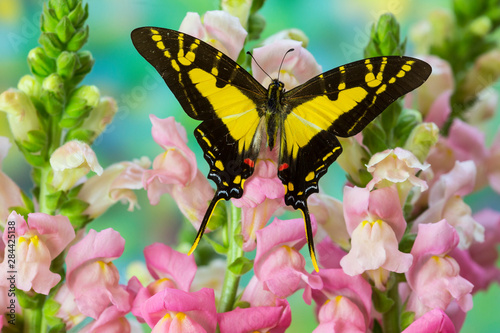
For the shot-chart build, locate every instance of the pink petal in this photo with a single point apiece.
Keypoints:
(271, 319)
(434, 321)
(162, 261)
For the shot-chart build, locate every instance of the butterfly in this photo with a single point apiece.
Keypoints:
(238, 114)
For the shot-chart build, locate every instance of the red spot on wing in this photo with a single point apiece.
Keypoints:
(283, 167)
(250, 163)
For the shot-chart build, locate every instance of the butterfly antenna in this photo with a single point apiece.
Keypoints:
(282, 61)
(248, 52)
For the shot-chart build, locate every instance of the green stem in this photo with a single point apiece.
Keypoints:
(231, 281)
(32, 320)
(391, 318)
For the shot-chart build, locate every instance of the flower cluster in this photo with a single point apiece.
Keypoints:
(402, 251)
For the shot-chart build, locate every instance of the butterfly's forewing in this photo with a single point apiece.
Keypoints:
(339, 102)
(213, 88)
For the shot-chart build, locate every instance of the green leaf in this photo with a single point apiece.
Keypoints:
(241, 266)
(79, 221)
(374, 138)
(29, 302)
(219, 248)
(406, 319)
(73, 207)
(406, 243)
(79, 134)
(381, 301)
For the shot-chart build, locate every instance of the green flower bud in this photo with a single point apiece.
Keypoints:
(53, 94)
(442, 27)
(353, 159)
(86, 61)
(256, 24)
(30, 86)
(21, 113)
(100, 117)
(66, 64)
(78, 39)
(485, 72)
(65, 30)
(51, 44)
(61, 7)
(481, 26)
(239, 9)
(384, 38)
(422, 138)
(49, 19)
(407, 121)
(40, 63)
(69, 122)
(79, 15)
(82, 101)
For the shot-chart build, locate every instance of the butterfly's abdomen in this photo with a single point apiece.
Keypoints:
(274, 110)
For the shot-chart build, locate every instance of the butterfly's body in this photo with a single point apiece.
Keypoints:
(238, 113)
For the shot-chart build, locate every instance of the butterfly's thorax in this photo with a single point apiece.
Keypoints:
(274, 110)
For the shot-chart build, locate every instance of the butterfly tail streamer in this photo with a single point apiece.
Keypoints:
(309, 236)
(208, 214)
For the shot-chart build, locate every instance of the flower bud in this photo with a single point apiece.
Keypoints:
(21, 113)
(40, 63)
(353, 160)
(86, 61)
(49, 19)
(239, 9)
(53, 94)
(422, 138)
(384, 38)
(65, 30)
(81, 102)
(66, 64)
(485, 72)
(256, 24)
(72, 161)
(79, 15)
(406, 121)
(78, 39)
(51, 44)
(100, 117)
(481, 26)
(442, 27)
(30, 86)
(61, 8)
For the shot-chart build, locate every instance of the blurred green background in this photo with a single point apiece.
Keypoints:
(338, 31)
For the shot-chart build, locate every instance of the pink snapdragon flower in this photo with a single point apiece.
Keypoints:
(68, 310)
(298, 66)
(10, 193)
(263, 195)
(219, 28)
(115, 183)
(278, 263)
(269, 311)
(173, 310)
(439, 82)
(175, 172)
(37, 242)
(329, 214)
(169, 269)
(376, 224)
(396, 166)
(478, 263)
(110, 320)
(71, 162)
(434, 321)
(434, 277)
(91, 276)
(445, 202)
(272, 319)
(343, 304)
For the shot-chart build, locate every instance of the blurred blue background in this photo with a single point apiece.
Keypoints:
(338, 32)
